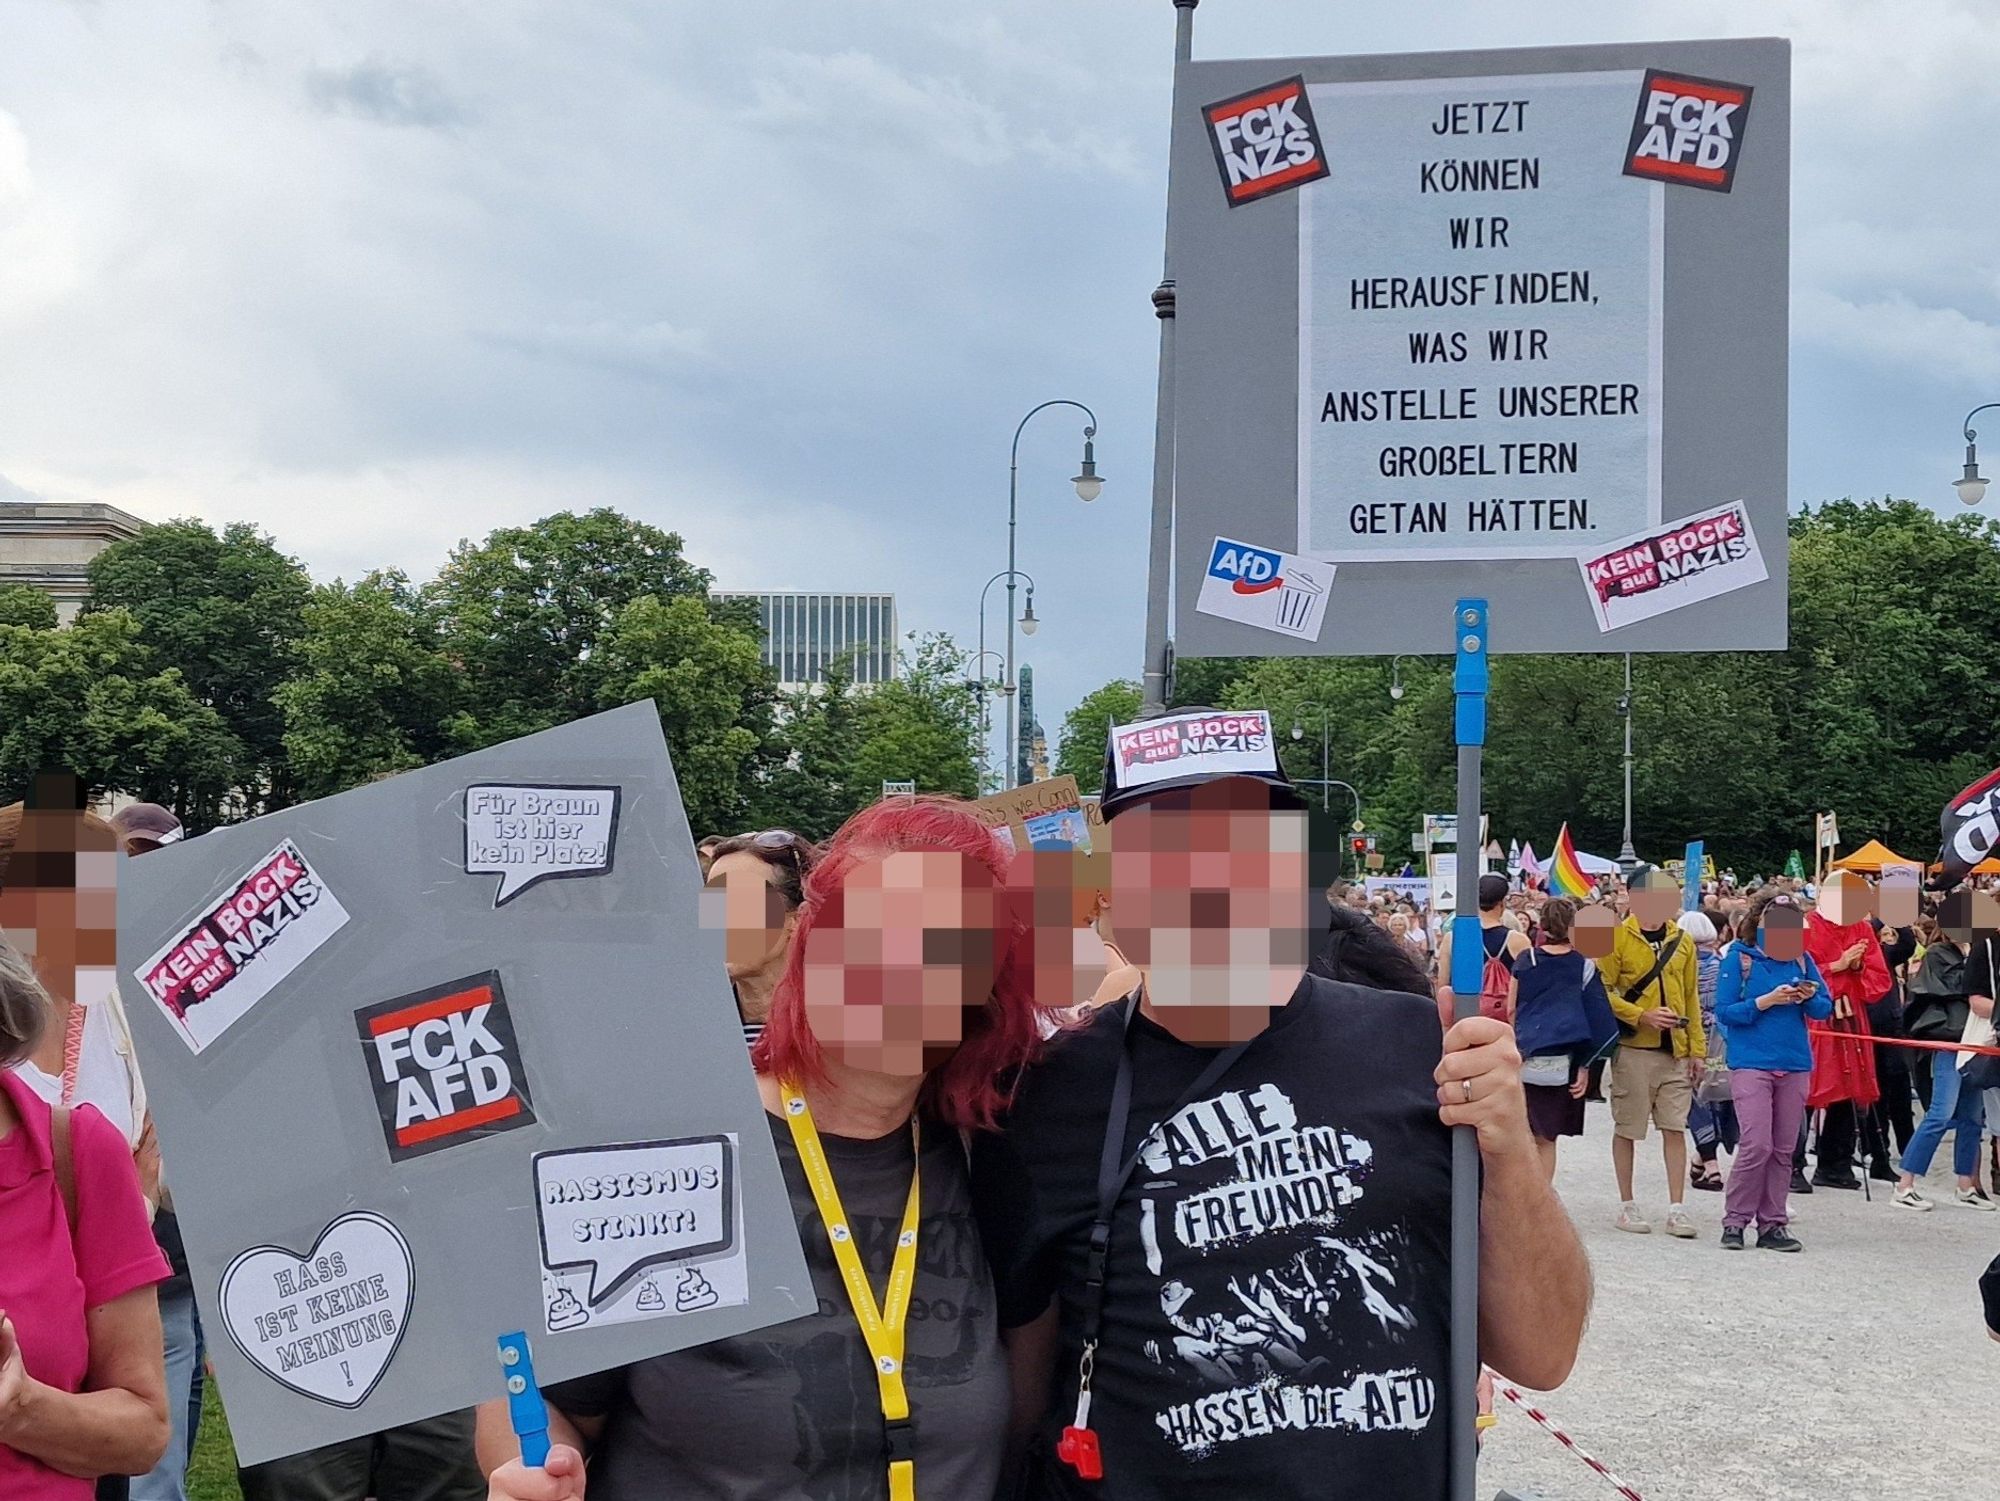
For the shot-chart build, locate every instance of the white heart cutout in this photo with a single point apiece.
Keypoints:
(325, 1323)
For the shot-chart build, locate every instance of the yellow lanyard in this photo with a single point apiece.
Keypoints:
(881, 1327)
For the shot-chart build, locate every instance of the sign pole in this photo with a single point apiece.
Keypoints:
(1160, 547)
(1468, 952)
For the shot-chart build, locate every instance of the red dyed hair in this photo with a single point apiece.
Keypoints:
(971, 1089)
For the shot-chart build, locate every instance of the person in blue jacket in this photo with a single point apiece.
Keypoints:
(1768, 987)
(1563, 1023)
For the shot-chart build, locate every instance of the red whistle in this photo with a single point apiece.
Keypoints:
(1078, 1449)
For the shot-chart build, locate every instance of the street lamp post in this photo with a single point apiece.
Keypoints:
(1088, 487)
(1299, 733)
(1028, 623)
(1628, 858)
(979, 686)
(1971, 485)
(1396, 674)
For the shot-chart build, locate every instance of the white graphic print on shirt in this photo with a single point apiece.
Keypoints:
(1241, 1220)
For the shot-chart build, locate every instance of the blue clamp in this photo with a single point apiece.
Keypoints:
(525, 1408)
(1470, 678)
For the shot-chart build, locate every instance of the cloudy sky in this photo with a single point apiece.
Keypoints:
(782, 275)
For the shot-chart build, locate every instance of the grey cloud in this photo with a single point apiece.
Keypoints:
(385, 92)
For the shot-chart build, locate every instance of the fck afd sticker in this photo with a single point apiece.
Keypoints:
(1688, 130)
(445, 1065)
(1265, 141)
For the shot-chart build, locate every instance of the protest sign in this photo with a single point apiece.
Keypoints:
(1044, 815)
(1413, 889)
(445, 1056)
(1453, 309)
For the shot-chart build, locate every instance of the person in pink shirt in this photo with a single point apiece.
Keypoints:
(82, 1385)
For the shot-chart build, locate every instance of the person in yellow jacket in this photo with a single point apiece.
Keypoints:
(1652, 980)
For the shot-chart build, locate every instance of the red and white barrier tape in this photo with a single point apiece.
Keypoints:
(1514, 1394)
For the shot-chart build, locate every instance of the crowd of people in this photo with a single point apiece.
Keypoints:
(1158, 1144)
(1766, 1024)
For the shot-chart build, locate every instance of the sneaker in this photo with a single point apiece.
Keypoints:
(1778, 1238)
(1843, 1178)
(1732, 1237)
(1799, 1184)
(1913, 1198)
(1881, 1172)
(1679, 1226)
(1630, 1219)
(1973, 1198)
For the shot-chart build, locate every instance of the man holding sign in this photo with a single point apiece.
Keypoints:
(1219, 1213)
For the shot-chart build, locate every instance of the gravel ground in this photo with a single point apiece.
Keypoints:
(1859, 1368)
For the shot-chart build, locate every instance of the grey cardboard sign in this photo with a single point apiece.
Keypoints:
(1483, 324)
(446, 1115)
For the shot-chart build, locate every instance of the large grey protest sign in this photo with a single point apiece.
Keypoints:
(1499, 324)
(447, 1056)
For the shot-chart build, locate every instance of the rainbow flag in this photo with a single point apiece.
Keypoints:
(1566, 877)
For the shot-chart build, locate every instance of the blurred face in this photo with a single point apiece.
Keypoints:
(1783, 933)
(1213, 901)
(898, 958)
(59, 903)
(1898, 895)
(1592, 933)
(1846, 898)
(1969, 916)
(1654, 905)
(742, 899)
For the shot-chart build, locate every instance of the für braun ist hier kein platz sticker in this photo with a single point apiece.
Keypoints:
(1673, 565)
(1261, 587)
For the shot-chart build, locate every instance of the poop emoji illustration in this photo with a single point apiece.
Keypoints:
(650, 1300)
(565, 1312)
(693, 1293)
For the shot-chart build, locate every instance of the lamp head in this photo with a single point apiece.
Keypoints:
(1028, 621)
(1088, 483)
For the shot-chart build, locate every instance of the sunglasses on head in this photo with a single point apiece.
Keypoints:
(774, 839)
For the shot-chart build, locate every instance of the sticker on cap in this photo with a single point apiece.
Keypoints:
(1207, 744)
(1258, 586)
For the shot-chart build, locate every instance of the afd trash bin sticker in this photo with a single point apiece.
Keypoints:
(326, 1321)
(209, 975)
(529, 834)
(445, 1066)
(1669, 567)
(639, 1230)
(1273, 591)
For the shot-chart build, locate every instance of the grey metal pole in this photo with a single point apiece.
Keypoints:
(1009, 762)
(1325, 767)
(1469, 684)
(1160, 547)
(1628, 857)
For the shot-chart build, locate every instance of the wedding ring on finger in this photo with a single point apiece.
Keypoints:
(1466, 1085)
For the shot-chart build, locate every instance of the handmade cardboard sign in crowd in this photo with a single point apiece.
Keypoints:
(447, 1056)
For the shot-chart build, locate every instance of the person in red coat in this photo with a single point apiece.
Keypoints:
(1844, 945)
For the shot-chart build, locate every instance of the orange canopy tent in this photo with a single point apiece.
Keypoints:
(1874, 857)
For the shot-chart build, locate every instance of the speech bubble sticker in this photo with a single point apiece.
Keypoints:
(615, 1212)
(527, 833)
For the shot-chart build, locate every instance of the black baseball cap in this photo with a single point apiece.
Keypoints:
(1191, 747)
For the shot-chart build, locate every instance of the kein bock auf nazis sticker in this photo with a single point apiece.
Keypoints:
(1673, 565)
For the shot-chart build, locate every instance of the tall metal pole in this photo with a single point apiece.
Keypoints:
(1007, 678)
(1468, 952)
(1013, 477)
(1325, 767)
(1628, 858)
(1160, 547)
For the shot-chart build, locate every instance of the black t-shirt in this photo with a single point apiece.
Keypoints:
(793, 1413)
(1277, 1293)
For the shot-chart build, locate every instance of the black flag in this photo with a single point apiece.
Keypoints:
(1969, 827)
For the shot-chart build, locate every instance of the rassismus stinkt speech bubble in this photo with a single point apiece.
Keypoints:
(609, 1214)
(527, 833)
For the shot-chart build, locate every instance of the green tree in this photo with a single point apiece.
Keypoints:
(523, 614)
(373, 694)
(89, 698)
(921, 726)
(226, 610)
(815, 738)
(713, 692)
(23, 604)
(1085, 729)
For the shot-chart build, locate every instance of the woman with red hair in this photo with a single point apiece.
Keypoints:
(905, 1002)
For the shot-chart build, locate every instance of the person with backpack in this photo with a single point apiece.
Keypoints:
(1954, 984)
(1766, 991)
(1503, 946)
(1654, 987)
(1562, 1024)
